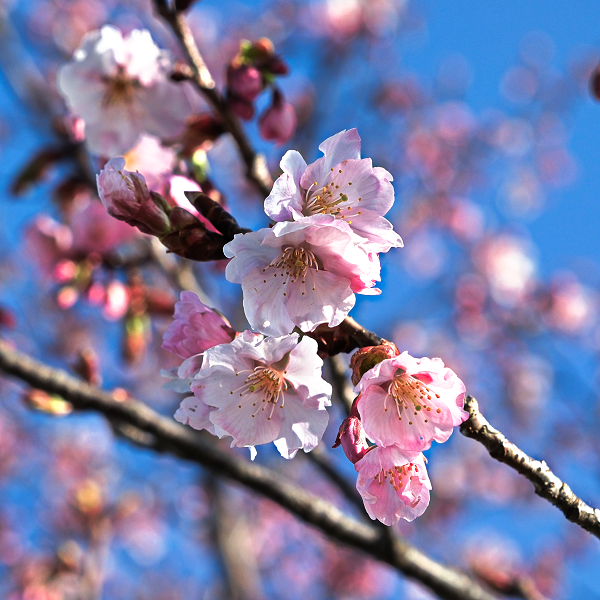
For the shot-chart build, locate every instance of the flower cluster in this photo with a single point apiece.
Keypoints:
(403, 404)
(323, 248)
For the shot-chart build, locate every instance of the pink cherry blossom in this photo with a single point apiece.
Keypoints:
(393, 484)
(300, 273)
(409, 402)
(195, 328)
(120, 87)
(339, 184)
(266, 390)
(194, 412)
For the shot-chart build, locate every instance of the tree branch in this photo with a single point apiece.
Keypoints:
(546, 483)
(184, 442)
(256, 166)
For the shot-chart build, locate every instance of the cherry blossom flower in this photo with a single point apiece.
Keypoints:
(300, 273)
(195, 328)
(393, 484)
(195, 413)
(120, 87)
(339, 184)
(265, 390)
(409, 402)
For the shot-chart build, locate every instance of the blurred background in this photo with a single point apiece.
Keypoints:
(483, 114)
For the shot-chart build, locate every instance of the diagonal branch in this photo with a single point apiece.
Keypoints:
(546, 483)
(184, 442)
(256, 166)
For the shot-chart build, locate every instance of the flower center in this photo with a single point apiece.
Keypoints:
(120, 89)
(293, 265)
(397, 476)
(268, 384)
(411, 396)
(331, 199)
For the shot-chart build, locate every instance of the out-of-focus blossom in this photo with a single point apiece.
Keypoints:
(410, 402)
(94, 230)
(48, 241)
(570, 306)
(266, 390)
(339, 184)
(393, 484)
(116, 301)
(120, 87)
(126, 197)
(300, 273)
(195, 328)
(278, 122)
(152, 159)
(508, 268)
(529, 382)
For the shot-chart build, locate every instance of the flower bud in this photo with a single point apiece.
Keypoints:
(244, 82)
(126, 198)
(351, 436)
(278, 122)
(364, 359)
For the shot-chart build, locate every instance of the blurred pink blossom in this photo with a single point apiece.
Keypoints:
(120, 87)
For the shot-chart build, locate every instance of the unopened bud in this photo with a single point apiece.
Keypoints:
(351, 436)
(364, 359)
(278, 122)
(244, 82)
(127, 198)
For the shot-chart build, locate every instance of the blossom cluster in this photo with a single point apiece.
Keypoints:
(325, 244)
(265, 384)
(403, 405)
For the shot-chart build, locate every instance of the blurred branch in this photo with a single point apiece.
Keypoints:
(256, 167)
(184, 442)
(546, 483)
(341, 382)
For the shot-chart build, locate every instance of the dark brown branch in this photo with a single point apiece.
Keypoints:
(256, 166)
(170, 436)
(546, 483)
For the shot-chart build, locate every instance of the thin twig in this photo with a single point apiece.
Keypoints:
(256, 166)
(546, 483)
(184, 442)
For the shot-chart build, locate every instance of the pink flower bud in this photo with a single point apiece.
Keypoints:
(351, 436)
(245, 82)
(366, 358)
(278, 122)
(126, 197)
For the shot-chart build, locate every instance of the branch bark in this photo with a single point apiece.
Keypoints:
(184, 442)
(256, 166)
(545, 482)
